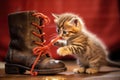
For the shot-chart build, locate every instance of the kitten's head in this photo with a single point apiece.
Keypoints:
(68, 25)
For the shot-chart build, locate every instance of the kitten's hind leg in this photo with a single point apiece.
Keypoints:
(92, 70)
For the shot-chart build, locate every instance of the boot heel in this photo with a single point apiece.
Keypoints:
(11, 69)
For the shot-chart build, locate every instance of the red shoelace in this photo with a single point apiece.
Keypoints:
(41, 48)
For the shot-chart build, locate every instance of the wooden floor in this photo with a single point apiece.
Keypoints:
(106, 73)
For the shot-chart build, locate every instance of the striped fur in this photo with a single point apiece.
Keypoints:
(86, 47)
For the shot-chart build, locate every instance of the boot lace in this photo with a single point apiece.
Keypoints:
(41, 48)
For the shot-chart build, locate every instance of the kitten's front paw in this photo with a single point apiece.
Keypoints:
(92, 70)
(79, 70)
(57, 44)
(60, 43)
(63, 51)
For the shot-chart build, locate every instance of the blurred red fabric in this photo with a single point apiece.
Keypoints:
(101, 17)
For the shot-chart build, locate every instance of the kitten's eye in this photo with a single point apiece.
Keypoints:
(64, 32)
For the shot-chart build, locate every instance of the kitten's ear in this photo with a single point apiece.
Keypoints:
(56, 16)
(74, 22)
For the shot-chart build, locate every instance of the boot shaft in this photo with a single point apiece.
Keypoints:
(21, 28)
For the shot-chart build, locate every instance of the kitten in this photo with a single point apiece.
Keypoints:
(89, 51)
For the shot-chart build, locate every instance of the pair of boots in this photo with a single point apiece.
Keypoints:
(20, 55)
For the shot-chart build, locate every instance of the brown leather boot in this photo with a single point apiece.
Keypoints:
(20, 56)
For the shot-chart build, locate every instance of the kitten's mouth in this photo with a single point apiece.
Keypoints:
(63, 37)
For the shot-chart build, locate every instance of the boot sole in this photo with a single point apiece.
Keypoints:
(20, 69)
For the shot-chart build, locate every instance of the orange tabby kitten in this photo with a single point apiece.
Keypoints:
(89, 51)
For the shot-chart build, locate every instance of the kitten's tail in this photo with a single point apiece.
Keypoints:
(113, 63)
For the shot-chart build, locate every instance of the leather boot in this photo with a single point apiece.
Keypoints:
(20, 56)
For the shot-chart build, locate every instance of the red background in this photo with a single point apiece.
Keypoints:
(101, 17)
